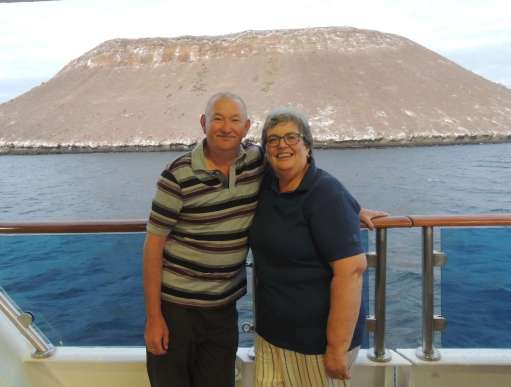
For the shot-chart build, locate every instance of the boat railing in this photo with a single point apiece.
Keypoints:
(430, 259)
(378, 260)
(23, 321)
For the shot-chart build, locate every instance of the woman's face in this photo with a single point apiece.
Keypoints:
(286, 159)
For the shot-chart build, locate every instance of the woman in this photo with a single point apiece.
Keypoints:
(309, 264)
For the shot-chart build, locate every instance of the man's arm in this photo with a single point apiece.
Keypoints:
(345, 299)
(156, 330)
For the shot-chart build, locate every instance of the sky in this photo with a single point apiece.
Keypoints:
(37, 39)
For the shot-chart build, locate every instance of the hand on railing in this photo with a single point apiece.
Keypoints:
(366, 216)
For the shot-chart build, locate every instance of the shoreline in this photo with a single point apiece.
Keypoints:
(354, 144)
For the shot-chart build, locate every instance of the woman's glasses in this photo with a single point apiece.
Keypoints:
(292, 138)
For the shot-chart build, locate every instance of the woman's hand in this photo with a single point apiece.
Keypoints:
(336, 363)
(366, 216)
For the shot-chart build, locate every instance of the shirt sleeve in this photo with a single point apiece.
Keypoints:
(166, 205)
(334, 221)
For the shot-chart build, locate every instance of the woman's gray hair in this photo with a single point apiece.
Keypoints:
(282, 115)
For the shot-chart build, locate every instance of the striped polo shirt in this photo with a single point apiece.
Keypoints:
(206, 216)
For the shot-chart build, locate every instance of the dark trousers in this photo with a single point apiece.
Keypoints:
(202, 348)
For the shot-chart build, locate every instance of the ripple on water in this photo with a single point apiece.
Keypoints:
(429, 180)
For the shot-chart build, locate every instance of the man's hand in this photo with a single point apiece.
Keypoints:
(156, 335)
(367, 215)
(336, 363)
(156, 331)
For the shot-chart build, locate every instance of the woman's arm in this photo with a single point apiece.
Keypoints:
(345, 299)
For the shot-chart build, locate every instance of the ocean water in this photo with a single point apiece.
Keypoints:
(476, 287)
(87, 290)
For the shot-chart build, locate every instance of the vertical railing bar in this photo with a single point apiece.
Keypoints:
(249, 326)
(379, 353)
(379, 294)
(427, 290)
(252, 351)
(427, 351)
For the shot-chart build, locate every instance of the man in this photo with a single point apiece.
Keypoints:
(195, 250)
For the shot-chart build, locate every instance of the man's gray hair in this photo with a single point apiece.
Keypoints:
(282, 115)
(225, 95)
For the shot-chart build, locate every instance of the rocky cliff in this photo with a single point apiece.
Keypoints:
(358, 87)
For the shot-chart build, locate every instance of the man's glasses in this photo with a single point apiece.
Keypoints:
(292, 138)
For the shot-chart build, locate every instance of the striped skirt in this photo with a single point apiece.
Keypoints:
(278, 367)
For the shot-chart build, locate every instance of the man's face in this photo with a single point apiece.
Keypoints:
(225, 126)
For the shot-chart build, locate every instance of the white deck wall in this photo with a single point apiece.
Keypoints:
(125, 367)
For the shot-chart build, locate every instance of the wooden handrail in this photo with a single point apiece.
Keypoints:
(461, 220)
(391, 222)
(73, 227)
(139, 225)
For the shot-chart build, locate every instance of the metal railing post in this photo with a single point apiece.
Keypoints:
(249, 326)
(378, 353)
(252, 351)
(427, 351)
(23, 323)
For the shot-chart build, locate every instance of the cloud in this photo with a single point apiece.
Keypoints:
(38, 39)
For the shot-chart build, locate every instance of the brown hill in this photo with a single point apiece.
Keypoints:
(358, 87)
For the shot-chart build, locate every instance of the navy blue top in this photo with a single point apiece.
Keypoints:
(293, 238)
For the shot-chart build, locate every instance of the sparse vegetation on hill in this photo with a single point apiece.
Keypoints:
(359, 88)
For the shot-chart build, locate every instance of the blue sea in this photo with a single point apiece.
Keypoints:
(87, 289)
